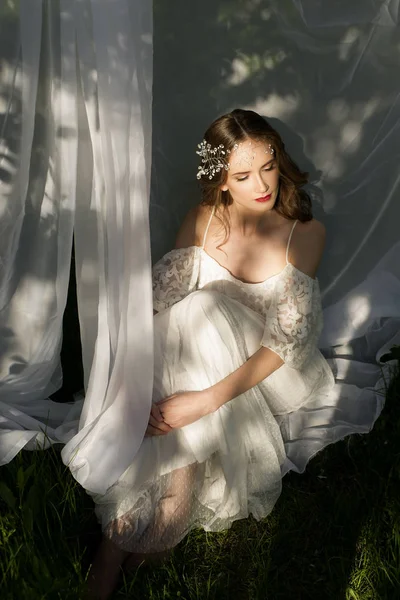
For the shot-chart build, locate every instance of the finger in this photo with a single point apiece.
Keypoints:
(170, 424)
(155, 425)
(151, 431)
(156, 413)
(162, 426)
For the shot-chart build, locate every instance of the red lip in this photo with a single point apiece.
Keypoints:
(264, 198)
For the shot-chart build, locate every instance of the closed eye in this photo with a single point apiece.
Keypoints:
(269, 168)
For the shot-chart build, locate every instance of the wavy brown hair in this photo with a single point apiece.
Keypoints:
(238, 126)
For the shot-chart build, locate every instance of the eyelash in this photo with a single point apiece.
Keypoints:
(271, 168)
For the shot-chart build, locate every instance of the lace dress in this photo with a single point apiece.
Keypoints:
(229, 463)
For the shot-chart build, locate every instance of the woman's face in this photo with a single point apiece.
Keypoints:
(253, 178)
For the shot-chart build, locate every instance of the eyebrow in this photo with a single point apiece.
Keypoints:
(246, 172)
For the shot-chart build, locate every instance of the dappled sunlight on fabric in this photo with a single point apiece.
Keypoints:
(8, 167)
(240, 72)
(350, 136)
(338, 110)
(355, 311)
(359, 309)
(27, 324)
(332, 147)
(246, 66)
(280, 106)
(350, 37)
(232, 11)
(378, 295)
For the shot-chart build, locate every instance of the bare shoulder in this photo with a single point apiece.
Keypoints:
(193, 226)
(312, 228)
(307, 246)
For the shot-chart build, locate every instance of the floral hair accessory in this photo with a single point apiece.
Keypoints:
(215, 159)
(212, 159)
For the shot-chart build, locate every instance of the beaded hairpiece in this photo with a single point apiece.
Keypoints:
(215, 159)
(212, 159)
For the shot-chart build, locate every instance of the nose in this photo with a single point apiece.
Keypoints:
(262, 185)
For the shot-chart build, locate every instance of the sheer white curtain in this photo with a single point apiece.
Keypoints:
(76, 151)
(114, 287)
(37, 212)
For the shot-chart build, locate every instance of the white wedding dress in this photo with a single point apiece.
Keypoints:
(230, 463)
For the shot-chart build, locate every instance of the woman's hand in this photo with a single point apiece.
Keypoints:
(156, 425)
(184, 408)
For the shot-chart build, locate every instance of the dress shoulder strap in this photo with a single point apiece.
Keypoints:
(207, 228)
(289, 240)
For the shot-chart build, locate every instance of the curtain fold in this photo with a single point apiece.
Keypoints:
(84, 84)
(115, 70)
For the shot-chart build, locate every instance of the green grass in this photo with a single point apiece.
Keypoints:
(333, 535)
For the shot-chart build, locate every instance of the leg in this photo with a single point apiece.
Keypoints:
(105, 570)
(167, 526)
(172, 513)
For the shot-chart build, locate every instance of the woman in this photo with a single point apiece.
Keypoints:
(237, 321)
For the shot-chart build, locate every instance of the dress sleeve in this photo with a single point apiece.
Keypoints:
(175, 276)
(294, 319)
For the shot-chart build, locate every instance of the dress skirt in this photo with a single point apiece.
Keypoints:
(230, 463)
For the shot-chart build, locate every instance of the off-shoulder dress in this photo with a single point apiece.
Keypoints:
(230, 463)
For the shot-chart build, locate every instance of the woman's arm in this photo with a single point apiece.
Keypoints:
(259, 366)
(184, 408)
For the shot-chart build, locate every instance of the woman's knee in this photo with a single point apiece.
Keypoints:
(205, 298)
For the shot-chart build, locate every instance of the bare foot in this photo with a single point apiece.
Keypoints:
(105, 571)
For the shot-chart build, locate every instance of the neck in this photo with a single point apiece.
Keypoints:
(249, 223)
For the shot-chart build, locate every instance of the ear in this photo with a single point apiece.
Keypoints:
(224, 188)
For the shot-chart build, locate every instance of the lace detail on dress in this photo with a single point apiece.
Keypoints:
(174, 277)
(289, 301)
(294, 319)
